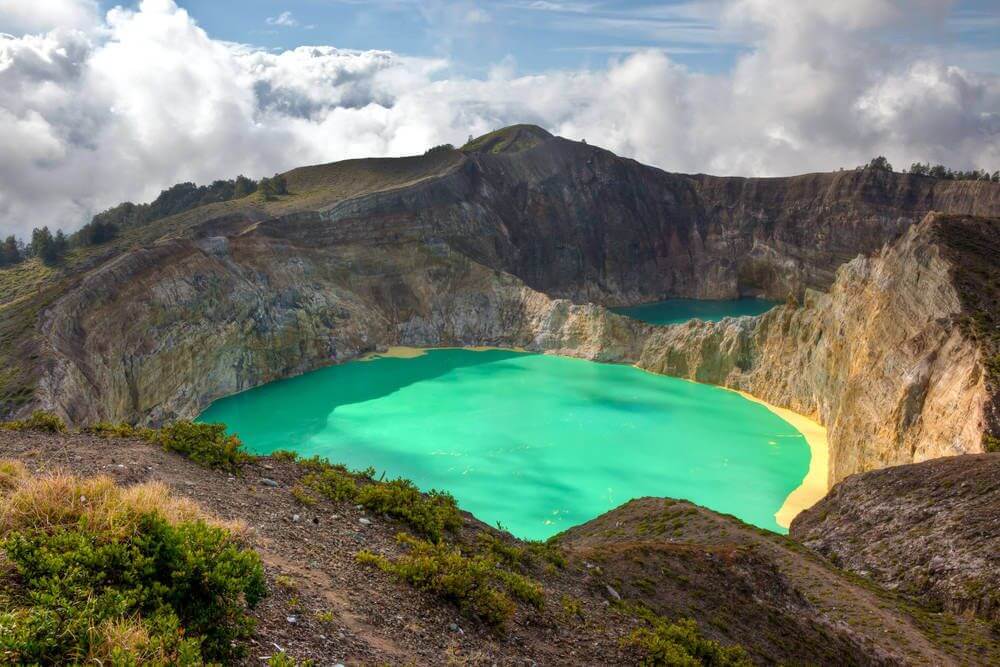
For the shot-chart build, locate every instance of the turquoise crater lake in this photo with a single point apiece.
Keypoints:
(677, 311)
(537, 443)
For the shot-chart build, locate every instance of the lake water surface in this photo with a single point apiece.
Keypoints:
(537, 443)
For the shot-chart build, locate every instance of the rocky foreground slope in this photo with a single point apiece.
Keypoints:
(650, 561)
(929, 530)
(476, 247)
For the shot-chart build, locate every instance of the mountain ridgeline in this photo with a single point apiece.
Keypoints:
(521, 238)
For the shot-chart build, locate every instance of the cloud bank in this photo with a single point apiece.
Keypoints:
(95, 110)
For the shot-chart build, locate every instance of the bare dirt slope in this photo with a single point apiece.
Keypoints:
(742, 585)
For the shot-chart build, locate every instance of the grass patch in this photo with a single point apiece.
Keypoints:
(477, 584)
(97, 573)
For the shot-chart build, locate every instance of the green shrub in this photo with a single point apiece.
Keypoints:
(510, 555)
(431, 514)
(99, 574)
(205, 444)
(571, 607)
(41, 421)
(549, 551)
(283, 660)
(114, 430)
(477, 584)
(680, 644)
(303, 496)
(284, 455)
(331, 483)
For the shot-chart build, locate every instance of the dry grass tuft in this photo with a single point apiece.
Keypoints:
(97, 504)
(11, 472)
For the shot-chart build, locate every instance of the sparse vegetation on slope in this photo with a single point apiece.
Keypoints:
(680, 644)
(431, 514)
(205, 444)
(738, 583)
(478, 584)
(511, 139)
(96, 573)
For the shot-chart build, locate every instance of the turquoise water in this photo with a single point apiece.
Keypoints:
(538, 443)
(676, 311)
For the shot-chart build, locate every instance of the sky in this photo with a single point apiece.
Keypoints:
(102, 102)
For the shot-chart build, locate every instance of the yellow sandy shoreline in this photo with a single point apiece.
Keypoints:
(816, 482)
(814, 485)
(404, 352)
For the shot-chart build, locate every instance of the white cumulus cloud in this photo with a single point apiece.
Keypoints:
(33, 16)
(95, 113)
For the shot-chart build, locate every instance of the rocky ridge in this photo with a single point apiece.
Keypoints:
(930, 530)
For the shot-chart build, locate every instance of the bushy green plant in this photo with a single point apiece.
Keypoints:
(282, 659)
(680, 644)
(431, 514)
(44, 422)
(509, 554)
(549, 551)
(205, 444)
(303, 496)
(100, 574)
(476, 584)
(115, 430)
(332, 483)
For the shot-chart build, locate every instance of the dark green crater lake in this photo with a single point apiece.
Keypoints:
(533, 442)
(676, 311)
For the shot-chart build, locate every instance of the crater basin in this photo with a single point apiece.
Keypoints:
(535, 443)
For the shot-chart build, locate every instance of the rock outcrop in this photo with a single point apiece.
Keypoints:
(884, 359)
(929, 530)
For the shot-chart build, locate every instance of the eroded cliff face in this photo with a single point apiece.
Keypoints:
(881, 359)
(574, 221)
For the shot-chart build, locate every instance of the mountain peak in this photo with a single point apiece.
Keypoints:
(512, 139)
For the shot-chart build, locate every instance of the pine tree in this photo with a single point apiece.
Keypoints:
(10, 253)
(243, 187)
